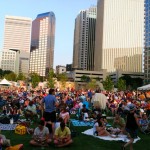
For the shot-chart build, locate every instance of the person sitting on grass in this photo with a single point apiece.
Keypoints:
(4, 142)
(119, 123)
(144, 124)
(41, 135)
(30, 111)
(62, 136)
(65, 115)
(99, 128)
(84, 113)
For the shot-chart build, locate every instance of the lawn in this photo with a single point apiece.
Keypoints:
(80, 142)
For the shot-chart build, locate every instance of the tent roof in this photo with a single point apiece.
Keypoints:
(145, 87)
(5, 82)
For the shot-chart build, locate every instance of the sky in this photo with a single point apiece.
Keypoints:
(65, 12)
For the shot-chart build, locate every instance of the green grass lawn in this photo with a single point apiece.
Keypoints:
(80, 142)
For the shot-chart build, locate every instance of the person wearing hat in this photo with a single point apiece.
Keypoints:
(131, 126)
(41, 135)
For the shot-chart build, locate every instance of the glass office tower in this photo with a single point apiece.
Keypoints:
(147, 42)
(42, 44)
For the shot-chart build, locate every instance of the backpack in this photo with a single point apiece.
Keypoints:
(5, 120)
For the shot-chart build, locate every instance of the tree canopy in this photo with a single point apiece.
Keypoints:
(108, 84)
(50, 79)
(35, 79)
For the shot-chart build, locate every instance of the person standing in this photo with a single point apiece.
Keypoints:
(49, 114)
(131, 127)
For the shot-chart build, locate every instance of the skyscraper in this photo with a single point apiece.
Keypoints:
(16, 48)
(84, 39)
(147, 43)
(119, 35)
(17, 33)
(42, 43)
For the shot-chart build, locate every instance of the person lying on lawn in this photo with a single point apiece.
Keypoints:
(62, 136)
(41, 135)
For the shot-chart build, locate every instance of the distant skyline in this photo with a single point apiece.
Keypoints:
(65, 11)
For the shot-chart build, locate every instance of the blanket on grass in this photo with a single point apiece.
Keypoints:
(7, 126)
(119, 138)
(84, 123)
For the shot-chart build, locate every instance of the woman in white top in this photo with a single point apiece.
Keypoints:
(65, 115)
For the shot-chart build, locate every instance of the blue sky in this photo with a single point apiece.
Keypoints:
(65, 12)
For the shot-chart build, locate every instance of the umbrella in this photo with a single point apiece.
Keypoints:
(100, 100)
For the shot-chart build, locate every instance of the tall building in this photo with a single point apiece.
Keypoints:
(42, 43)
(147, 43)
(16, 61)
(84, 39)
(16, 48)
(119, 35)
(17, 33)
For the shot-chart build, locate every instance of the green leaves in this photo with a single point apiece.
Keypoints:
(108, 84)
(50, 79)
(121, 84)
(35, 79)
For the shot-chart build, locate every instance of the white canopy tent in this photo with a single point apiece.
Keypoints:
(5, 82)
(145, 87)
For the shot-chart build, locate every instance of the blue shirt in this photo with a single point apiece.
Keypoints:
(49, 101)
(86, 104)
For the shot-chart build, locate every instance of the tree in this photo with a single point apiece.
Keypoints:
(1, 73)
(121, 85)
(21, 76)
(85, 78)
(11, 76)
(108, 84)
(92, 84)
(50, 80)
(62, 78)
(132, 83)
(35, 79)
(128, 80)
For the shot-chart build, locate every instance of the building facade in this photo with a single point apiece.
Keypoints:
(119, 73)
(60, 69)
(119, 35)
(42, 43)
(17, 39)
(84, 39)
(16, 61)
(147, 43)
(17, 33)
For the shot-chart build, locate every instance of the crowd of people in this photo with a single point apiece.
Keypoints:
(53, 109)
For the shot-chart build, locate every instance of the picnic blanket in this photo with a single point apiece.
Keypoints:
(82, 123)
(119, 138)
(7, 126)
